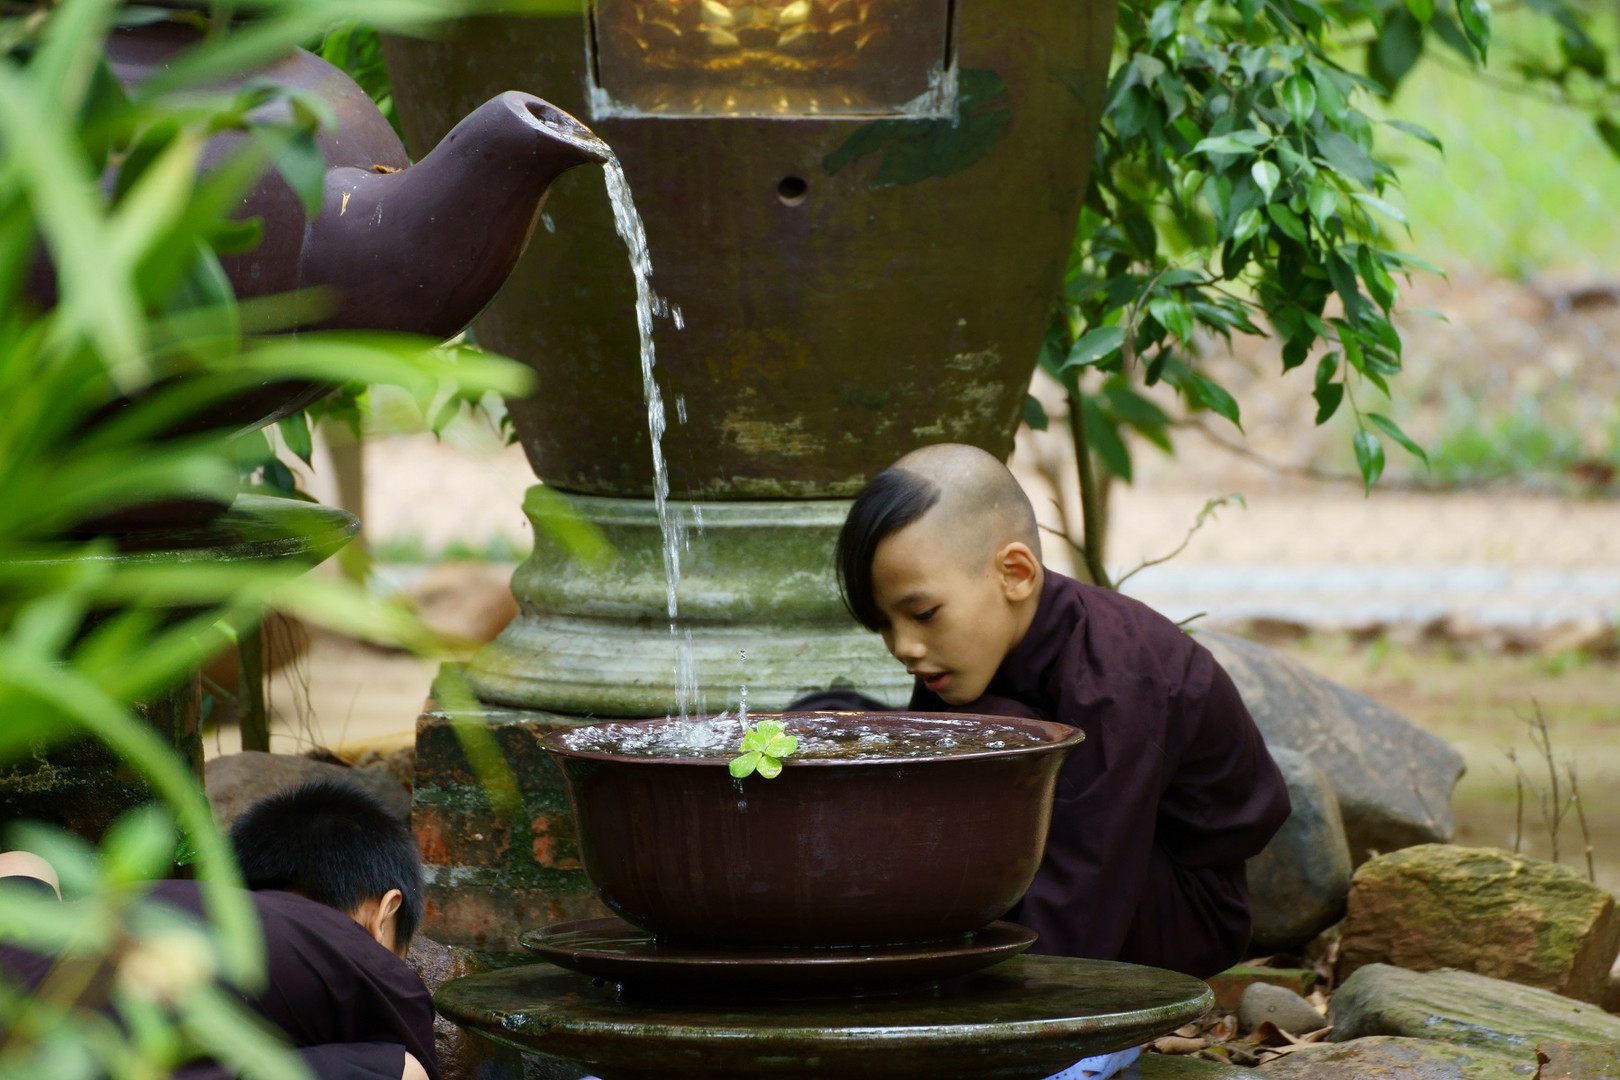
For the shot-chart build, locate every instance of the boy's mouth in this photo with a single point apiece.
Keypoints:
(934, 682)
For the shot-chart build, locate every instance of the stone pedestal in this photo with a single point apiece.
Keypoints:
(758, 604)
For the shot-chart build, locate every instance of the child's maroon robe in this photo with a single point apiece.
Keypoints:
(1158, 808)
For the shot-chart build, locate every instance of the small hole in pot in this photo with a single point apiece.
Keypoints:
(792, 191)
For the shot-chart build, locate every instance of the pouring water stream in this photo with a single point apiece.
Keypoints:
(627, 222)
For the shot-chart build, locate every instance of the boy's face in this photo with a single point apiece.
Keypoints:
(951, 618)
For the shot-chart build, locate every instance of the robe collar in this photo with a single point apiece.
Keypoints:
(1029, 671)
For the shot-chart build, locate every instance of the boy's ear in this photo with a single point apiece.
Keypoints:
(1020, 571)
(377, 916)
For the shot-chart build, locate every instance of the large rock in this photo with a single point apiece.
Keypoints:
(1482, 910)
(1263, 1003)
(1463, 1008)
(1393, 779)
(237, 781)
(1297, 885)
(1178, 1067)
(1383, 1058)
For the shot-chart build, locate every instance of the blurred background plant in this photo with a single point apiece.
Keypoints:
(144, 318)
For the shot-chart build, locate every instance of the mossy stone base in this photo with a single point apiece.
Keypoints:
(758, 605)
(1465, 1009)
(1483, 910)
(1384, 1058)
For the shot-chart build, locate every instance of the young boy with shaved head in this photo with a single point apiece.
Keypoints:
(1172, 789)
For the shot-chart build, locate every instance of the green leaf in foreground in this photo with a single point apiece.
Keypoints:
(762, 749)
(1369, 457)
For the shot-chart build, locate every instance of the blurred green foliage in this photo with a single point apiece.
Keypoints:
(144, 334)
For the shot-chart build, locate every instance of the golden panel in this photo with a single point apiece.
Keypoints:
(772, 57)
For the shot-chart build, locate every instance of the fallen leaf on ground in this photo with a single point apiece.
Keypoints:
(1176, 1044)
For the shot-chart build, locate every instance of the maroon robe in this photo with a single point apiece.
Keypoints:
(1157, 810)
(350, 1007)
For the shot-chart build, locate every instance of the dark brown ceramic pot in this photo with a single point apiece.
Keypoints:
(833, 851)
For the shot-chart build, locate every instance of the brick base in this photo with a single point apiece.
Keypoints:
(491, 873)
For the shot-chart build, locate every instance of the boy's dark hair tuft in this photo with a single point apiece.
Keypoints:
(890, 501)
(334, 844)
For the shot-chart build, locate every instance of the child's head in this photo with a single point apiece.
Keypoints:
(338, 846)
(940, 554)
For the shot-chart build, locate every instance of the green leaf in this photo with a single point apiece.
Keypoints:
(1173, 314)
(1238, 142)
(1322, 200)
(780, 746)
(769, 767)
(1422, 10)
(1417, 131)
(1213, 396)
(1328, 396)
(1345, 155)
(1475, 16)
(1035, 413)
(1248, 223)
(1389, 427)
(1266, 175)
(1102, 437)
(1381, 206)
(745, 764)
(1094, 345)
(299, 161)
(1376, 278)
(295, 433)
(1298, 95)
(1288, 221)
(1609, 132)
(1369, 458)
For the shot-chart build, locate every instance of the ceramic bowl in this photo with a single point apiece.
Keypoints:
(833, 851)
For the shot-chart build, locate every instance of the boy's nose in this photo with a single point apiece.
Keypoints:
(906, 647)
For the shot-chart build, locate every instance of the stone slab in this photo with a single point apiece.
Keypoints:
(1463, 1008)
(1384, 1058)
(1578, 1061)
(1020, 1020)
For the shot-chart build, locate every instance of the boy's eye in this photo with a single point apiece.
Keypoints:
(924, 616)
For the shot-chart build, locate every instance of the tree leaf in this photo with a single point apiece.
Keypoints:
(769, 767)
(745, 764)
(1102, 437)
(1422, 10)
(1389, 427)
(1035, 413)
(1417, 131)
(1328, 396)
(1475, 16)
(1345, 155)
(1381, 206)
(1322, 200)
(1248, 223)
(1213, 395)
(1266, 176)
(1609, 132)
(1094, 345)
(1238, 142)
(295, 433)
(1298, 95)
(1369, 458)
(1288, 221)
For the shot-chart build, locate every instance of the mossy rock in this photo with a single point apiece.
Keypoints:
(1465, 1009)
(1392, 1058)
(1483, 910)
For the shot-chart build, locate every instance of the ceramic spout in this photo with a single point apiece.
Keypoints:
(424, 249)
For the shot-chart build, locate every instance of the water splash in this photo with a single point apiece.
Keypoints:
(627, 222)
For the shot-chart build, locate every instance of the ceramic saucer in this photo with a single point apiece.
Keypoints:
(613, 949)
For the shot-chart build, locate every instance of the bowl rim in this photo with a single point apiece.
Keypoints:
(1062, 737)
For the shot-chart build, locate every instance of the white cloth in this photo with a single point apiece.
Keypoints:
(1100, 1067)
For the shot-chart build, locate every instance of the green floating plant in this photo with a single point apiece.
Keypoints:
(763, 748)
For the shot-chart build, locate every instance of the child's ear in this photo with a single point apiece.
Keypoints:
(1020, 571)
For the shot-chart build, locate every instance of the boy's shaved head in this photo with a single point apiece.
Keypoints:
(969, 499)
(981, 508)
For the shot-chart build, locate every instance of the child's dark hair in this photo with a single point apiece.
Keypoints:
(890, 501)
(334, 844)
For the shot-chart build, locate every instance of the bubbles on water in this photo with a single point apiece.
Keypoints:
(551, 226)
(680, 324)
(680, 405)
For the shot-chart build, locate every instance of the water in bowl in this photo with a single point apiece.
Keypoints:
(821, 737)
